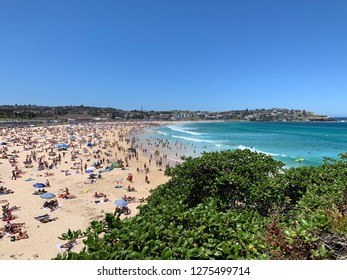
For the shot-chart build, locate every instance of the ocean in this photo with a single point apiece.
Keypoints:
(294, 143)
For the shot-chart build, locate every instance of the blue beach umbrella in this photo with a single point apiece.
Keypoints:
(121, 203)
(39, 185)
(91, 168)
(47, 195)
(62, 146)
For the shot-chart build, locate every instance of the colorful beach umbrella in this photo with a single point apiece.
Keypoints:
(39, 185)
(121, 203)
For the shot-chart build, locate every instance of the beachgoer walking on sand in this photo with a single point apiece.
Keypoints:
(14, 175)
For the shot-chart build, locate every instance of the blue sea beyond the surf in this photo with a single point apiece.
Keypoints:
(284, 141)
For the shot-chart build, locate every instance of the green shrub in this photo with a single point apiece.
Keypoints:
(222, 206)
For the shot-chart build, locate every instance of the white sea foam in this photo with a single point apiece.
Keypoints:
(220, 146)
(241, 147)
(183, 130)
(193, 139)
(162, 133)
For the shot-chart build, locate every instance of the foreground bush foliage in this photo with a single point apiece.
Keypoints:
(230, 205)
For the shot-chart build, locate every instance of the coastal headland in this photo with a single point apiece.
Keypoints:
(59, 114)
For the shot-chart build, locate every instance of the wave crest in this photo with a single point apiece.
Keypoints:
(194, 139)
(186, 130)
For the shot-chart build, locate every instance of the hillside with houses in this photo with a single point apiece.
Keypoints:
(87, 113)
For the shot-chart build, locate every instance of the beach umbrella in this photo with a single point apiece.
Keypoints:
(90, 169)
(47, 195)
(39, 185)
(90, 144)
(121, 203)
(3, 143)
(61, 146)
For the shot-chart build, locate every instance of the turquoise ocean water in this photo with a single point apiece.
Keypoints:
(285, 141)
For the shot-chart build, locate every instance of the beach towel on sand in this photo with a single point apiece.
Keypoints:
(99, 202)
(30, 179)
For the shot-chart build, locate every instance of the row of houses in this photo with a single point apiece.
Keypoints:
(82, 113)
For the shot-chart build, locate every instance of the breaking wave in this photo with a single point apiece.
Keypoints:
(181, 129)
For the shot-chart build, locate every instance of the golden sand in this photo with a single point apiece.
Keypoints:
(77, 213)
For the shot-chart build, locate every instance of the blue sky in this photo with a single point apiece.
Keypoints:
(211, 55)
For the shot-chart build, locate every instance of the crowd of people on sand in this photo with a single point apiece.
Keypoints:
(39, 192)
(52, 204)
(7, 212)
(13, 230)
(4, 190)
(123, 210)
(91, 151)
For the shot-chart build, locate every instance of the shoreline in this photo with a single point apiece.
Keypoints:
(111, 142)
(189, 138)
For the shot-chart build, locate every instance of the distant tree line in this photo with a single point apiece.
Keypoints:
(32, 112)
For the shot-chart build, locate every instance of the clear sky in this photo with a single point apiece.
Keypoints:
(214, 55)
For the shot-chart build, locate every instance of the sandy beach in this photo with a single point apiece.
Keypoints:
(30, 155)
